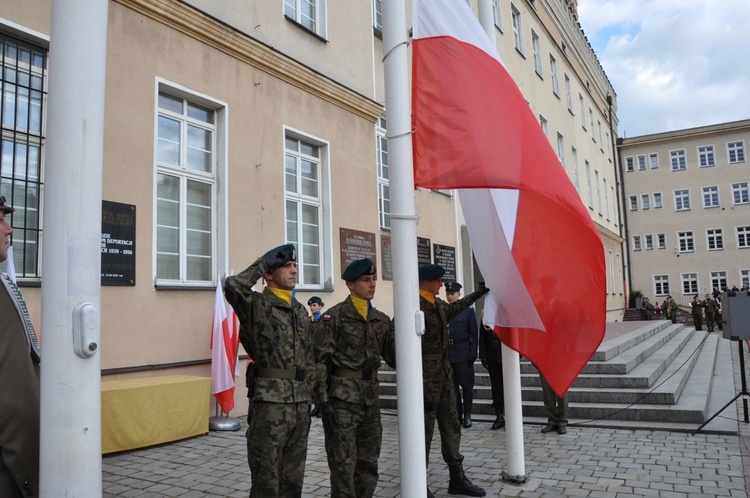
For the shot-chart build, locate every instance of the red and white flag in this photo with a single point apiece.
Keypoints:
(534, 241)
(224, 340)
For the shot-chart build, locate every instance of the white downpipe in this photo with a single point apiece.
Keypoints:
(404, 238)
(71, 438)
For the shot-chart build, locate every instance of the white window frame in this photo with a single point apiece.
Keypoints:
(682, 200)
(657, 200)
(736, 152)
(661, 240)
(561, 149)
(574, 154)
(719, 279)
(678, 160)
(641, 162)
(309, 271)
(637, 243)
(653, 159)
(741, 193)
(606, 197)
(634, 203)
(686, 241)
(292, 10)
(384, 196)
(545, 125)
(536, 50)
(553, 75)
(568, 93)
(706, 156)
(648, 241)
(742, 235)
(715, 239)
(517, 23)
(588, 185)
(582, 105)
(689, 283)
(497, 14)
(645, 201)
(710, 196)
(591, 119)
(745, 278)
(661, 285)
(377, 15)
(218, 232)
(630, 164)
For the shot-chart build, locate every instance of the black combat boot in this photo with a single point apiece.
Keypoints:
(499, 422)
(460, 484)
(468, 402)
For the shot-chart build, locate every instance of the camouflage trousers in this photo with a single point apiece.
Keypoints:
(444, 395)
(277, 448)
(353, 449)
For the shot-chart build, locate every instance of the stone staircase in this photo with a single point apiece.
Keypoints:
(644, 375)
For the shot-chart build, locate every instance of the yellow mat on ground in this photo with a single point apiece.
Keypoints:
(153, 410)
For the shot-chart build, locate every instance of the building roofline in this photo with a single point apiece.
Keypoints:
(685, 133)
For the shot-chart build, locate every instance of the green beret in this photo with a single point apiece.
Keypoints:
(5, 208)
(279, 256)
(315, 300)
(357, 268)
(431, 272)
(453, 287)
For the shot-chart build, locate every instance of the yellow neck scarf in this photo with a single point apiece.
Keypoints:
(284, 294)
(360, 305)
(427, 295)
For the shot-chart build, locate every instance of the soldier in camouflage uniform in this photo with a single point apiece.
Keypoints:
(275, 332)
(696, 309)
(440, 394)
(710, 306)
(350, 339)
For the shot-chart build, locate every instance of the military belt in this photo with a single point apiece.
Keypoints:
(432, 356)
(280, 373)
(457, 341)
(355, 374)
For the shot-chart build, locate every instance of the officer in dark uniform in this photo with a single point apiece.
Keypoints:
(491, 355)
(19, 378)
(440, 395)
(275, 332)
(462, 353)
(350, 339)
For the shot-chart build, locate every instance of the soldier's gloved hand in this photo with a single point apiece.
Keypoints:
(485, 363)
(328, 414)
(482, 288)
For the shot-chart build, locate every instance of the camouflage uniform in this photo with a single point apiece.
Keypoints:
(711, 307)
(437, 375)
(350, 347)
(696, 309)
(277, 338)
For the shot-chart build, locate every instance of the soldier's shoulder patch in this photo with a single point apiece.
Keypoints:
(325, 318)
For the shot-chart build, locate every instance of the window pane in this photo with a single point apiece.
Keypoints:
(290, 167)
(198, 244)
(167, 266)
(291, 222)
(170, 103)
(309, 178)
(200, 113)
(168, 240)
(168, 148)
(198, 268)
(168, 187)
(198, 149)
(310, 150)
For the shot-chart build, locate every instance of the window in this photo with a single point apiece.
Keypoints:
(583, 111)
(678, 160)
(591, 118)
(634, 203)
(561, 149)
(496, 14)
(606, 196)
(599, 127)
(645, 201)
(536, 49)
(629, 164)
(661, 285)
(657, 200)
(661, 241)
(649, 240)
(719, 279)
(598, 193)
(685, 241)
(588, 184)
(736, 152)
(711, 196)
(682, 200)
(515, 16)
(186, 188)
(553, 75)
(636, 242)
(609, 147)
(745, 279)
(23, 79)
(568, 94)
(641, 162)
(574, 153)
(311, 14)
(613, 197)
(653, 160)
(545, 127)
(715, 239)
(706, 156)
(689, 283)
(743, 237)
(305, 200)
(377, 14)
(740, 193)
(384, 194)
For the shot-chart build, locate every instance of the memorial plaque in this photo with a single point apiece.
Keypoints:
(118, 244)
(423, 251)
(356, 245)
(445, 256)
(386, 252)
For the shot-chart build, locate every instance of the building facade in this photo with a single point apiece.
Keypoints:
(688, 210)
(232, 127)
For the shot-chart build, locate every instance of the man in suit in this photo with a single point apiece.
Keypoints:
(19, 378)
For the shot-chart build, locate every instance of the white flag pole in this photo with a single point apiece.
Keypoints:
(409, 319)
(71, 436)
(514, 443)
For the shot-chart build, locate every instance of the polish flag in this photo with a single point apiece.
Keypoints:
(224, 339)
(536, 245)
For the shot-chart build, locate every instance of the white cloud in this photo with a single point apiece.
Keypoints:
(673, 63)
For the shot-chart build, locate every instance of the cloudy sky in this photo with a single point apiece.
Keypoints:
(674, 64)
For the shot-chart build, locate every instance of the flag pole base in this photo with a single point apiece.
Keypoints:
(223, 423)
(514, 479)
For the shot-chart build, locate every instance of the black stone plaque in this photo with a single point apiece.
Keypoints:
(423, 251)
(445, 256)
(118, 243)
(356, 245)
